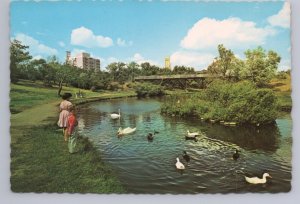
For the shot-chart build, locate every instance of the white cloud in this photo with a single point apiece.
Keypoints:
(111, 60)
(104, 62)
(76, 51)
(35, 47)
(282, 18)
(86, 38)
(61, 43)
(37, 57)
(193, 59)
(232, 32)
(284, 65)
(123, 43)
(138, 58)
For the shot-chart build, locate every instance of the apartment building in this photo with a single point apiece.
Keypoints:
(83, 60)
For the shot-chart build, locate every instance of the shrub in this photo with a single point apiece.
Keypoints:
(147, 89)
(113, 86)
(241, 102)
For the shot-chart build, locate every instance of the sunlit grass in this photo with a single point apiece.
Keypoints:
(27, 94)
(41, 163)
(282, 88)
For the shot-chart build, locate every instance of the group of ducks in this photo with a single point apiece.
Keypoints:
(186, 157)
(235, 156)
(121, 131)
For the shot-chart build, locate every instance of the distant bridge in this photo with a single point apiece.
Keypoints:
(179, 80)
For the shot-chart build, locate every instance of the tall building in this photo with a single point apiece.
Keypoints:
(167, 63)
(83, 60)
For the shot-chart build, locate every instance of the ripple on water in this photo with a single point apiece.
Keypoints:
(149, 167)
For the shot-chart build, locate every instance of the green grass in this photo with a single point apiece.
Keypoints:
(27, 94)
(23, 97)
(282, 88)
(41, 163)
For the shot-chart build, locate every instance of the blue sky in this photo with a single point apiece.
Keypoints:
(140, 31)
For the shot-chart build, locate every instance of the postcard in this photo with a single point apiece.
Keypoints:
(150, 97)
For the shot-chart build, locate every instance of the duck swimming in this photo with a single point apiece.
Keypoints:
(155, 132)
(192, 134)
(150, 137)
(179, 165)
(115, 115)
(186, 156)
(125, 131)
(236, 155)
(256, 180)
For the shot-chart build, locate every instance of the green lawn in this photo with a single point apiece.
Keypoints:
(40, 161)
(282, 88)
(27, 94)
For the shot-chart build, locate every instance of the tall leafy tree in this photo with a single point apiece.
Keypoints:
(19, 59)
(223, 64)
(261, 66)
(133, 70)
(147, 69)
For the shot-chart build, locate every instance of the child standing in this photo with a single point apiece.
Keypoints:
(64, 108)
(72, 123)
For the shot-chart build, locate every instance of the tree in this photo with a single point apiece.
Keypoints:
(227, 65)
(261, 67)
(63, 74)
(19, 59)
(116, 69)
(147, 69)
(223, 64)
(183, 70)
(38, 64)
(133, 70)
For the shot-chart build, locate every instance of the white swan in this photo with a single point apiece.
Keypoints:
(179, 165)
(115, 116)
(256, 180)
(126, 131)
(192, 134)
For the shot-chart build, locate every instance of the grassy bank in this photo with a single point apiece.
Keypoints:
(282, 88)
(27, 94)
(40, 161)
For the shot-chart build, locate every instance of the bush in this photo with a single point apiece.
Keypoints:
(113, 86)
(147, 89)
(239, 102)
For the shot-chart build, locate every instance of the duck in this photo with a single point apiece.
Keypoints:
(150, 137)
(186, 156)
(155, 132)
(256, 180)
(236, 155)
(179, 165)
(192, 134)
(115, 115)
(125, 131)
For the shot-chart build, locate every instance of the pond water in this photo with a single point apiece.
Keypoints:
(149, 167)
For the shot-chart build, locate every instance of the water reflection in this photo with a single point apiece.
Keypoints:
(149, 167)
(247, 137)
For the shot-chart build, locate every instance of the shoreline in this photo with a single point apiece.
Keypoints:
(34, 161)
(38, 154)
